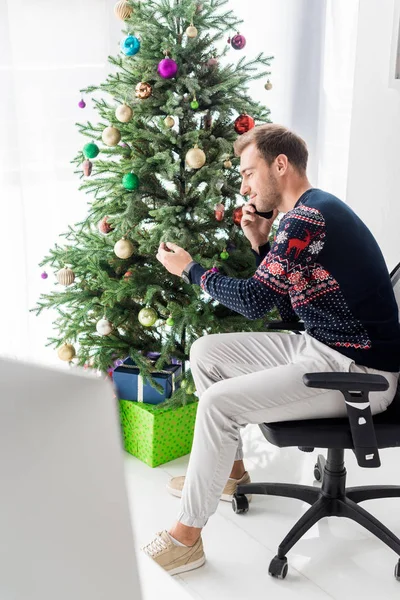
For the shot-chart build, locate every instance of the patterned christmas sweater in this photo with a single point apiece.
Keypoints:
(326, 269)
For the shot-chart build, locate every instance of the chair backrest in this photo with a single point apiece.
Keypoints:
(395, 279)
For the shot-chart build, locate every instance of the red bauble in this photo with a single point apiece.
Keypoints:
(104, 226)
(237, 215)
(238, 41)
(244, 123)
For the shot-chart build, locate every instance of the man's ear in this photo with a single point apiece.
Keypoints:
(281, 162)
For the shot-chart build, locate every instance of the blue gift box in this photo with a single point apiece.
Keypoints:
(131, 385)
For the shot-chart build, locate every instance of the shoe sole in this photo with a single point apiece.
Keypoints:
(224, 497)
(189, 567)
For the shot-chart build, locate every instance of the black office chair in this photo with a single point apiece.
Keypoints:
(360, 432)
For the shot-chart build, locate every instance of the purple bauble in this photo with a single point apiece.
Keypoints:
(238, 41)
(167, 68)
(44, 275)
(215, 270)
(82, 104)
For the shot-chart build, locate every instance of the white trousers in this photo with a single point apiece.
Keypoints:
(244, 378)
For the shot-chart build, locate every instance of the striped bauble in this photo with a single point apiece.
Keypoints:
(122, 10)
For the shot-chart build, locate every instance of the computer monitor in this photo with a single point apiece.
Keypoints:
(65, 529)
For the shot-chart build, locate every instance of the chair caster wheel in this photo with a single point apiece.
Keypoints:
(278, 567)
(240, 504)
(319, 468)
(397, 571)
(317, 473)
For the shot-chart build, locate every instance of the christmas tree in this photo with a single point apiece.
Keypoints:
(158, 166)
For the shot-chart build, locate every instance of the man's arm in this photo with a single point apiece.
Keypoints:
(295, 242)
(248, 297)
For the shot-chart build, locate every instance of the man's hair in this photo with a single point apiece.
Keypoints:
(272, 140)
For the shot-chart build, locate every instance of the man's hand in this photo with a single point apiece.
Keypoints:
(173, 258)
(256, 228)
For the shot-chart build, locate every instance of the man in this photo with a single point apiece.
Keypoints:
(325, 268)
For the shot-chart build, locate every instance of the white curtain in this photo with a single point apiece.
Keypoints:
(49, 50)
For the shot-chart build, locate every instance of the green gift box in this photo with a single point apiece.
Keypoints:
(157, 435)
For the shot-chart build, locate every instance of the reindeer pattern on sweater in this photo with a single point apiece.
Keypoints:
(292, 269)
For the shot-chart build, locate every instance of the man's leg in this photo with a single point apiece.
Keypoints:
(218, 357)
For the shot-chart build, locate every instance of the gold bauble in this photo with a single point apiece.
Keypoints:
(122, 10)
(268, 85)
(65, 276)
(143, 90)
(123, 248)
(124, 113)
(227, 164)
(191, 31)
(66, 352)
(195, 158)
(169, 122)
(111, 136)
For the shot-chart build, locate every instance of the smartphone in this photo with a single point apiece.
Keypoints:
(265, 215)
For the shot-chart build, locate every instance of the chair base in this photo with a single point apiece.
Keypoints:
(331, 500)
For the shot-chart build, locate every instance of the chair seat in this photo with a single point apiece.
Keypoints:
(333, 433)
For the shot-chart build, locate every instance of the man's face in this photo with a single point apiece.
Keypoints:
(259, 180)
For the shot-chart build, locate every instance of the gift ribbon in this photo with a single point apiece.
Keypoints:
(140, 389)
(141, 382)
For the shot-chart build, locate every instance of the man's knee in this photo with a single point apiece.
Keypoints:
(213, 399)
(216, 411)
(201, 347)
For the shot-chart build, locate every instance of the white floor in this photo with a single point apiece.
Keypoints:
(336, 559)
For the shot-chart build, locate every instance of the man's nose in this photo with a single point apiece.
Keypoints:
(244, 189)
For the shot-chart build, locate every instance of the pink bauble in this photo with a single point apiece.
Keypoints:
(87, 167)
(104, 226)
(82, 103)
(44, 275)
(167, 68)
(212, 62)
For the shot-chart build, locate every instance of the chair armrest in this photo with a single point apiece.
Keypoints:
(359, 382)
(295, 326)
(355, 388)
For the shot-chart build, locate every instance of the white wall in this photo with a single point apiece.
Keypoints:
(373, 175)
